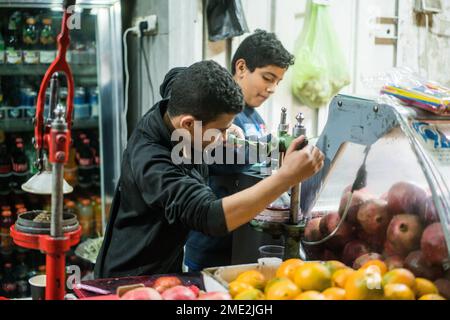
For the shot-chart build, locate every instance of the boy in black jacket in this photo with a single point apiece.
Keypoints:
(160, 199)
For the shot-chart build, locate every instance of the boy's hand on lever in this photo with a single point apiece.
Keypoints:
(299, 165)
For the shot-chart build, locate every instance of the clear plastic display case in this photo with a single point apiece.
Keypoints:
(396, 160)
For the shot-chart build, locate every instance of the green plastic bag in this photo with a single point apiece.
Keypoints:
(320, 69)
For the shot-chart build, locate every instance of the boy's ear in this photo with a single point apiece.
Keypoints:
(241, 67)
(187, 122)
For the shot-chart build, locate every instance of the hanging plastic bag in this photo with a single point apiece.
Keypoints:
(226, 19)
(320, 69)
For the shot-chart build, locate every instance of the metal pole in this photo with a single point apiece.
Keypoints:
(56, 228)
(298, 130)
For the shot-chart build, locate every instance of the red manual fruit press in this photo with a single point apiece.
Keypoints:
(53, 234)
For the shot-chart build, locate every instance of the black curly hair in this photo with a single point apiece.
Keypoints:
(262, 49)
(205, 90)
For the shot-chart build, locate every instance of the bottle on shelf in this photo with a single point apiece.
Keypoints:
(19, 166)
(85, 164)
(9, 285)
(30, 37)
(30, 152)
(81, 110)
(41, 269)
(47, 42)
(1, 93)
(2, 47)
(28, 98)
(94, 102)
(70, 207)
(71, 169)
(86, 218)
(5, 170)
(20, 208)
(19, 158)
(5, 223)
(2, 111)
(95, 148)
(21, 273)
(16, 98)
(13, 53)
(98, 216)
(91, 51)
(78, 54)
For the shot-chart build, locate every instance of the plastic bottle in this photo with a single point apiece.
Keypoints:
(20, 208)
(19, 166)
(19, 159)
(21, 273)
(41, 270)
(5, 170)
(30, 37)
(13, 54)
(14, 110)
(94, 101)
(47, 42)
(85, 164)
(2, 48)
(9, 285)
(5, 224)
(98, 215)
(86, 218)
(71, 207)
(30, 152)
(95, 148)
(2, 110)
(81, 110)
(71, 169)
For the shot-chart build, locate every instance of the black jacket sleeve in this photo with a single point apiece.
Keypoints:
(183, 193)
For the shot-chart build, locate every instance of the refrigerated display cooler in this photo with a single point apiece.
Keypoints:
(96, 63)
(396, 159)
(28, 31)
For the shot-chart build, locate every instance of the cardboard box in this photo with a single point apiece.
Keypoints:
(224, 275)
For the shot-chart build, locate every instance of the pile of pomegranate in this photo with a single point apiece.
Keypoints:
(401, 228)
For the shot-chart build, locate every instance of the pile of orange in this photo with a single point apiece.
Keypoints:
(332, 280)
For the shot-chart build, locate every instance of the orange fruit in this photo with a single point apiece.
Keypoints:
(432, 297)
(254, 278)
(310, 295)
(364, 285)
(250, 294)
(313, 276)
(282, 289)
(334, 294)
(287, 268)
(398, 291)
(423, 287)
(339, 278)
(237, 287)
(400, 275)
(334, 266)
(376, 265)
(273, 281)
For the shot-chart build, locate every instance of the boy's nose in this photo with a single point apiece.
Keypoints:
(271, 89)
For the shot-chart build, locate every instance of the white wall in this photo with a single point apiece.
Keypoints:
(356, 26)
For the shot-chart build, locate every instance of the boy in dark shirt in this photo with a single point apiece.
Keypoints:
(160, 199)
(258, 66)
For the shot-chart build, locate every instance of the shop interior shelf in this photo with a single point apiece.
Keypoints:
(23, 125)
(40, 69)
